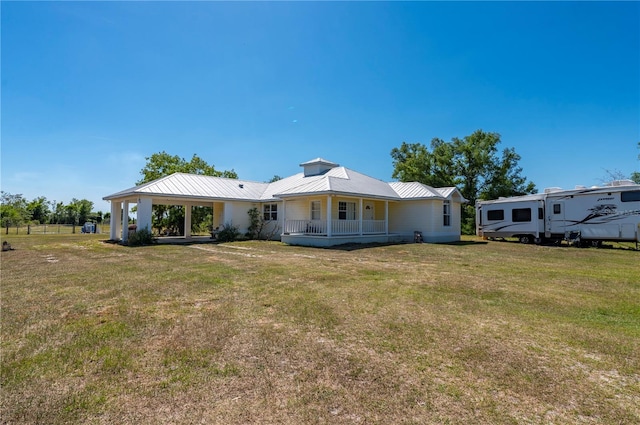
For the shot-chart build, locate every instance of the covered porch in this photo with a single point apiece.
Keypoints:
(333, 219)
(120, 209)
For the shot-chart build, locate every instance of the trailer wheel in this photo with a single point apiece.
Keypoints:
(525, 239)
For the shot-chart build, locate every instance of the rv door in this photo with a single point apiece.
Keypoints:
(554, 218)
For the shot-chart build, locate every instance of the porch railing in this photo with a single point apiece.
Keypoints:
(338, 227)
(310, 227)
(373, 226)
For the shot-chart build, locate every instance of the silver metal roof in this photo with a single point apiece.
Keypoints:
(197, 186)
(415, 190)
(338, 180)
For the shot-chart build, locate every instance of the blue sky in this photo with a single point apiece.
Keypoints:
(89, 89)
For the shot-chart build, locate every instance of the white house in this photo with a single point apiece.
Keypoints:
(324, 205)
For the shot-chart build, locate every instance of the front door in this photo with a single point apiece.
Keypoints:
(369, 212)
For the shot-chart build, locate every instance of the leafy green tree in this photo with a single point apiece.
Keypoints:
(162, 164)
(39, 210)
(171, 217)
(13, 210)
(58, 215)
(472, 164)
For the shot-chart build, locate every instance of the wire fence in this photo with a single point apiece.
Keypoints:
(51, 229)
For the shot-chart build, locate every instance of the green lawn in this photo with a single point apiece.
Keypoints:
(264, 333)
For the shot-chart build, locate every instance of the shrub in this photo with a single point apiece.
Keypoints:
(228, 233)
(141, 237)
(254, 223)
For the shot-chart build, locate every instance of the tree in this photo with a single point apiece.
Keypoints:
(162, 164)
(472, 164)
(13, 210)
(505, 178)
(39, 210)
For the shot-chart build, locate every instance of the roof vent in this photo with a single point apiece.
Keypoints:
(241, 186)
(317, 166)
(552, 189)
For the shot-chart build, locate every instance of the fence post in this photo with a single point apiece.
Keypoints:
(28, 229)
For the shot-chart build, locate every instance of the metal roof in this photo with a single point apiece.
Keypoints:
(340, 180)
(197, 186)
(414, 190)
(337, 180)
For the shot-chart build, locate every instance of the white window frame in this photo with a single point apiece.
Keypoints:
(347, 209)
(316, 210)
(446, 213)
(270, 212)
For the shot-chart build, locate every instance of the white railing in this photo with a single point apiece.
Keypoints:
(372, 226)
(345, 227)
(308, 227)
(338, 227)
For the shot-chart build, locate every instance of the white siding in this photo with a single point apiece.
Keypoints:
(426, 217)
(298, 209)
(408, 216)
(236, 214)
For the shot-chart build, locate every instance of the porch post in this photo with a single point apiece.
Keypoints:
(360, 223)
(125, 221)
(386, 217)
(115, 220)
(329, 220)
(144, 213)
(284, 216)
(213, 216)
(187, 221)
(227, 213)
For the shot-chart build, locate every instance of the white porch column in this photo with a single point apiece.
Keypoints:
(115, 220)
(360, 223)
(227, 214)
(284, 217)
(213, 215)
(144, 213)
(386, 217)
(125, 221)
(329, 220)
(187, 221)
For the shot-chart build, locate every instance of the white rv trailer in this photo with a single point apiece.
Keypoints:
(585, 215)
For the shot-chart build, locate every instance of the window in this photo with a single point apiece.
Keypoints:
(632, 196)
(346, 210)
(540, 214)
(495, 215)
(270, 212)
(446, 213)
(315, 210)
(557, 208)
(521, 214)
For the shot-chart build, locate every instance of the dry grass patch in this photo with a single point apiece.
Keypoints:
(266, 333)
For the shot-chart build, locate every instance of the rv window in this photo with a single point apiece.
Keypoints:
(540, 214)
(495, 215)
(556, 208)
(521, 214)
(632, 196)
